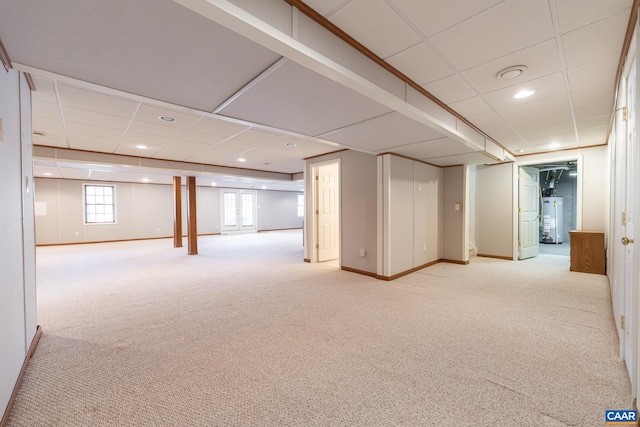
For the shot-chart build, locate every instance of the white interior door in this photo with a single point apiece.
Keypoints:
(328, 209)
(528, 215)
(631, 176)
(238, 211)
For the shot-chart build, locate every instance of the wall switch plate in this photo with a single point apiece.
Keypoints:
(457, 206)
(362, 252)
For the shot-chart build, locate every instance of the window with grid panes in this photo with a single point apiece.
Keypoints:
(99, 204)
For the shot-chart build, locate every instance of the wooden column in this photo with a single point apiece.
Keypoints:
(192, 234)
(177, 212)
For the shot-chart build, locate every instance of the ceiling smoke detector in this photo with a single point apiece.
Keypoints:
(511, 73)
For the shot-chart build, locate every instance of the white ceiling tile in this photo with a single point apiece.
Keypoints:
(325, 7)
(382, 133)
(45, 109)
(383, 31)
(450, 89)
(593, 122)
(47, 125)
(486, 120)
(543, 132)
(504, 135)
(476, 158)
(545, 87)
(593, 73)
(203, 138)
(594, 95)
(45, 90)
(259, 136)
(421, 64)
(190, 146)
(540, 114)
(150, 114)
(93, 118)
(127, 148)
(593, 136)
(471, 107)
(93, 101)
(92, 143)
(296, 99)
(173, 153)
(82, 129)
(595, 41)
(603, 109)
(73, 173)
(154, 129)
(541, 60)
(221, 128)
(150, 140)
(432, 17)
(577, 13)
(505, 28)
(50, 142)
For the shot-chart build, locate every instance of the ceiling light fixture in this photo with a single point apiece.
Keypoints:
(264, 187)
(524, 94)
(290, 144)
(553, 145)
(521, 151)
(167, 118)
(511, 73)
(47, 174)
(141, 146)
(242, 160)
(145, 180)
(213, 184)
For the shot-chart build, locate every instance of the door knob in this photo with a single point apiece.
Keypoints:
(626, 241)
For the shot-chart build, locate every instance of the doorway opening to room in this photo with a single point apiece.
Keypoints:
(326, 209)
(546, 218)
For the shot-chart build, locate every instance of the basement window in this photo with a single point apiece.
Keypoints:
(99, 204)
(300, 205)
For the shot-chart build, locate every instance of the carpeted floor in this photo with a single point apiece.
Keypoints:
(139, 333)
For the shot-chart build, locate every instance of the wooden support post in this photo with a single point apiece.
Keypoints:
(177, 212)
(192, 235)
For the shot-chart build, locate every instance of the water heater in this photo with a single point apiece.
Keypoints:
(551, 225)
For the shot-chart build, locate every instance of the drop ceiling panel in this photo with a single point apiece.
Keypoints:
(593, 73)
(546, 87)
(173, 153)
(324, 7)
(396, 37)
(421, 64)
(151, 114)
(82, 129)
(431, 149)
(142, 138)
(189, 146)
(218, 127)
(505, 28)
(70, 173)
(450, 89)
(93, 101)
(594, 95)
(541, 60)
(595, 41)
(130, 150)
(296, 99)
(154, 129)
(45, 90)
(203, 138)
(549, 112)
(471, 107)
(382, 133)
(603, 109)
(432, 17)
(47, 125)
(143, 55)
(96, 119)
(542, 132)
(577, 13)
(93, 143)
(45, 109)
(50, 142)
(486, 120)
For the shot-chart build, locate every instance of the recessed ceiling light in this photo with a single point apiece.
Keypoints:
(290, 144)
(47, 174)
(524, 94)
(145, 180)
(553, 145)
(242, 160)
(167, 118)
(141, 146)
(264, 187)
(511, 73)
(213, 184)
(521, 151)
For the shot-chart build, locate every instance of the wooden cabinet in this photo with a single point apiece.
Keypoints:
(587, 251)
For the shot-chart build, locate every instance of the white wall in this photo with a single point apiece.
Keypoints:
(358, 213)
(495, 210)
(144, 211)
(17, 250)
(410, 231)
(454, 233)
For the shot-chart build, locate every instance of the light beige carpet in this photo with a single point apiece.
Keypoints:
(139, 333)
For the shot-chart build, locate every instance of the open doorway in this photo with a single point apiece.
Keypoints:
(326, 224)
